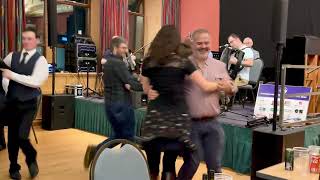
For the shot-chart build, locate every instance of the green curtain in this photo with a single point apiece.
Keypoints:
(312, 136)
(90, 116)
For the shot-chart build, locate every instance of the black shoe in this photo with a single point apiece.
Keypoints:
(33, 169)
(168, 176)
(15, 175)
(2, 147)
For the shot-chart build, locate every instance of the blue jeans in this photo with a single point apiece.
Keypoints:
(122, 119)
(209, 139)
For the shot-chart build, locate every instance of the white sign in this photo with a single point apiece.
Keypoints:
(295, 108)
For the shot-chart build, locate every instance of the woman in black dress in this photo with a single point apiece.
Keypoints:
(167, 121)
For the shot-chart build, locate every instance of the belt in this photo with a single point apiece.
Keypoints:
(209, 118)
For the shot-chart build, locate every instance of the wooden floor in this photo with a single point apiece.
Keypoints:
(60, 156)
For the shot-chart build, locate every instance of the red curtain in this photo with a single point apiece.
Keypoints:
(114, 21)
(12, 23)
(171, 12)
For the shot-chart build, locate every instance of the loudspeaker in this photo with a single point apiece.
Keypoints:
(279, 21)
(268, 147)
(52, 23)
(57, 112)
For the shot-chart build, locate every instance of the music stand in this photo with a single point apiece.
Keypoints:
(89, 64)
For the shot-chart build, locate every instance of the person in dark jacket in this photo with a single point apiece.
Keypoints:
(2, 105)
(118, 82)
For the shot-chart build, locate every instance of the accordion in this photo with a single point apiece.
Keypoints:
(233, 69)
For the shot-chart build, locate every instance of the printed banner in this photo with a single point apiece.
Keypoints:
(295, 108)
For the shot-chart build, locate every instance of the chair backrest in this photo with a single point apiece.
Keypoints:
(39, 99)
(255, 71)
(127, 162)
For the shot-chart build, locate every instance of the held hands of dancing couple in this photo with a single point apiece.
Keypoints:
(220, 84)
(6, 73)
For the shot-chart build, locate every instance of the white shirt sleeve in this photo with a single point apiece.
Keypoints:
(37, 78)
(8, 59)
(248, 54)
(5, 81)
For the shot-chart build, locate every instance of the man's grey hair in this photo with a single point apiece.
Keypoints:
(195, 33)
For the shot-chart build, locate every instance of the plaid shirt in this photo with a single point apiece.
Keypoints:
(116, 75)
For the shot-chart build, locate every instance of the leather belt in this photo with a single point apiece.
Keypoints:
(204, 118)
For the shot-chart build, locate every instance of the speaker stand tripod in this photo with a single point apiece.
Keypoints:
(88, 89)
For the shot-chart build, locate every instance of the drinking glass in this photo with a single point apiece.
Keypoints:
(221, 176)
(301, 160)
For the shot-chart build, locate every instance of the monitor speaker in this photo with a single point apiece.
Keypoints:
(52, 23)
(58, 112)
(280, 21)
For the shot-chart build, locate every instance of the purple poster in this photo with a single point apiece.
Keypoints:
(295, 108)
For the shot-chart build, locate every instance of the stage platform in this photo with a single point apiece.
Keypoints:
(90, 116)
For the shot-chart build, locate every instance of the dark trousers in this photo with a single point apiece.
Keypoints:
(122, 119)
(2, 140)
(209, 139)
(2, 119)
(22, 115)
(171, 149)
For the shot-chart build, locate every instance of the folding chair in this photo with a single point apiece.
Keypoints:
(126, 162)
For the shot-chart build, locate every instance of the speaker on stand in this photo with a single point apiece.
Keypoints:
(279, 35)
(52, 35)
(57, 110)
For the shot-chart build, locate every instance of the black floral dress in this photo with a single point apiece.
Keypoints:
(167, 116)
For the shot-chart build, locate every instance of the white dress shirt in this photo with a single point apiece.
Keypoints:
(248, 54)
(36, 79)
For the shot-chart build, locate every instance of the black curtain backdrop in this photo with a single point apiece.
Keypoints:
(253, 18)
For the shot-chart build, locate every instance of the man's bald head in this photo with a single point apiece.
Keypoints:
(248, 42)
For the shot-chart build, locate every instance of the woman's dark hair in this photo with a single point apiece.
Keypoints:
(168, 42)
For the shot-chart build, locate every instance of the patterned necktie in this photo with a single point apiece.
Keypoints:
(23, 61)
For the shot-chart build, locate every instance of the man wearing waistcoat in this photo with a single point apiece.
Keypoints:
(2, 105)
(28, 71)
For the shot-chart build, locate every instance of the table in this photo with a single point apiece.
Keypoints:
(277, 172)
(62, 79)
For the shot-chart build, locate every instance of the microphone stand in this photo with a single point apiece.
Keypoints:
(277, 63)
(53, 69)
